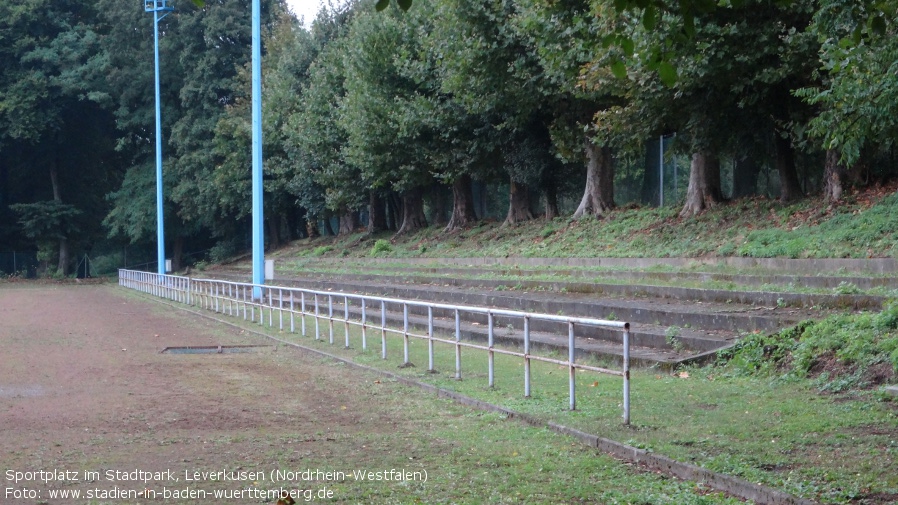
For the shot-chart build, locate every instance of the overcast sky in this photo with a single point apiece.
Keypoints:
(305, 8)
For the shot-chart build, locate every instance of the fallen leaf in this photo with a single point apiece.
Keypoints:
(594, 384)
(683, 375)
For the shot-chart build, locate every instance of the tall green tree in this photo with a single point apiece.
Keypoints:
(857, 100)
(51, 119)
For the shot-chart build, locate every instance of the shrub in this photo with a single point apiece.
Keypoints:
(381, 248)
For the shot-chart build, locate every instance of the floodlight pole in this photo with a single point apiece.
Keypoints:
(258, 217)
(157, 6)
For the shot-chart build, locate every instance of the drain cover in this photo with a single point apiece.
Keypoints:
(214, 349)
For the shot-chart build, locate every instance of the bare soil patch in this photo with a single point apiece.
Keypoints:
(83, 387)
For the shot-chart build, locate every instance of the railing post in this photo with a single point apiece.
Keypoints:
(527, 356)
(302, 308)
(492, 369)
(317, 313)
(281, 308)
(457, 345)
(572, 371)
(626, 369)
(292, 313)
(430, 339)
(364, 327)
(346, 319)
(405, 333)
(330, 318)
(383, 329)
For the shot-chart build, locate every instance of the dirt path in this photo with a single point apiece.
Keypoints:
(83, 387)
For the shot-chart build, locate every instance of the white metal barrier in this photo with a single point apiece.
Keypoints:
(236, 299)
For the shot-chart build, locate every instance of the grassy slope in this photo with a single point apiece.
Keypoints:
(866, 225)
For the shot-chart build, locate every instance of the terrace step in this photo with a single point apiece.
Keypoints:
(517, 280)
(810, 266)
(664, 331)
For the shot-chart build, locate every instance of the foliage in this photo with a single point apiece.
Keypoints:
(840, 350)
(47, 220)
(363, 107)
(381, 247)
(858, 53)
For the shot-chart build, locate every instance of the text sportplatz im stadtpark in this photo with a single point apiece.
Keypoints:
(192, 484)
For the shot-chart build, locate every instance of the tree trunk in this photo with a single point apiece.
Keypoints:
(328, 228)
(62, 267)
(704, 184)
(790, 188)
(349, 222)
(394, 206)
(291, 226)
(438, 204)
(312, 227)
(177, 255)
(550, 193)
(286, 234)
(518, 204)
(745, 176)
(598, 197)
(834, 177)
(859, 174)
(463, 215)
(413, 217)
(377, 213)
(274, 239)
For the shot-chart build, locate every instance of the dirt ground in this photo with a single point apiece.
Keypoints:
(84, 388)
(89, 405)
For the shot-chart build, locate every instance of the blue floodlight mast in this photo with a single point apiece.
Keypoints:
(158, 7)
(258, 218)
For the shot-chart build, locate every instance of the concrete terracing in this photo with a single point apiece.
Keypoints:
(670, 324)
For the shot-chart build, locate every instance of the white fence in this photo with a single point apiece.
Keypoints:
(284, 304)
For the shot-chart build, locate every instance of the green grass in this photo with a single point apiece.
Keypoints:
(863, 226)
(780, 431)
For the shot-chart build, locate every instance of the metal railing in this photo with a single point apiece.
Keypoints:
(285, 303)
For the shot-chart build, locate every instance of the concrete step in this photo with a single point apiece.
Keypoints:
(635, 289)
(810, 266)
(660, 312)
(820, 280)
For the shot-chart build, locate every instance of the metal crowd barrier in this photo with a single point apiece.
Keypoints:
(236, 298)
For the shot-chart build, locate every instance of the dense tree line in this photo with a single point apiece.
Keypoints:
(399, 117)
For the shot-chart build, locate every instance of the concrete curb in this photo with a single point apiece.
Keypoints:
(654, 462)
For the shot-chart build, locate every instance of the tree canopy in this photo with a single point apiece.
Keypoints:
(397, 115)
